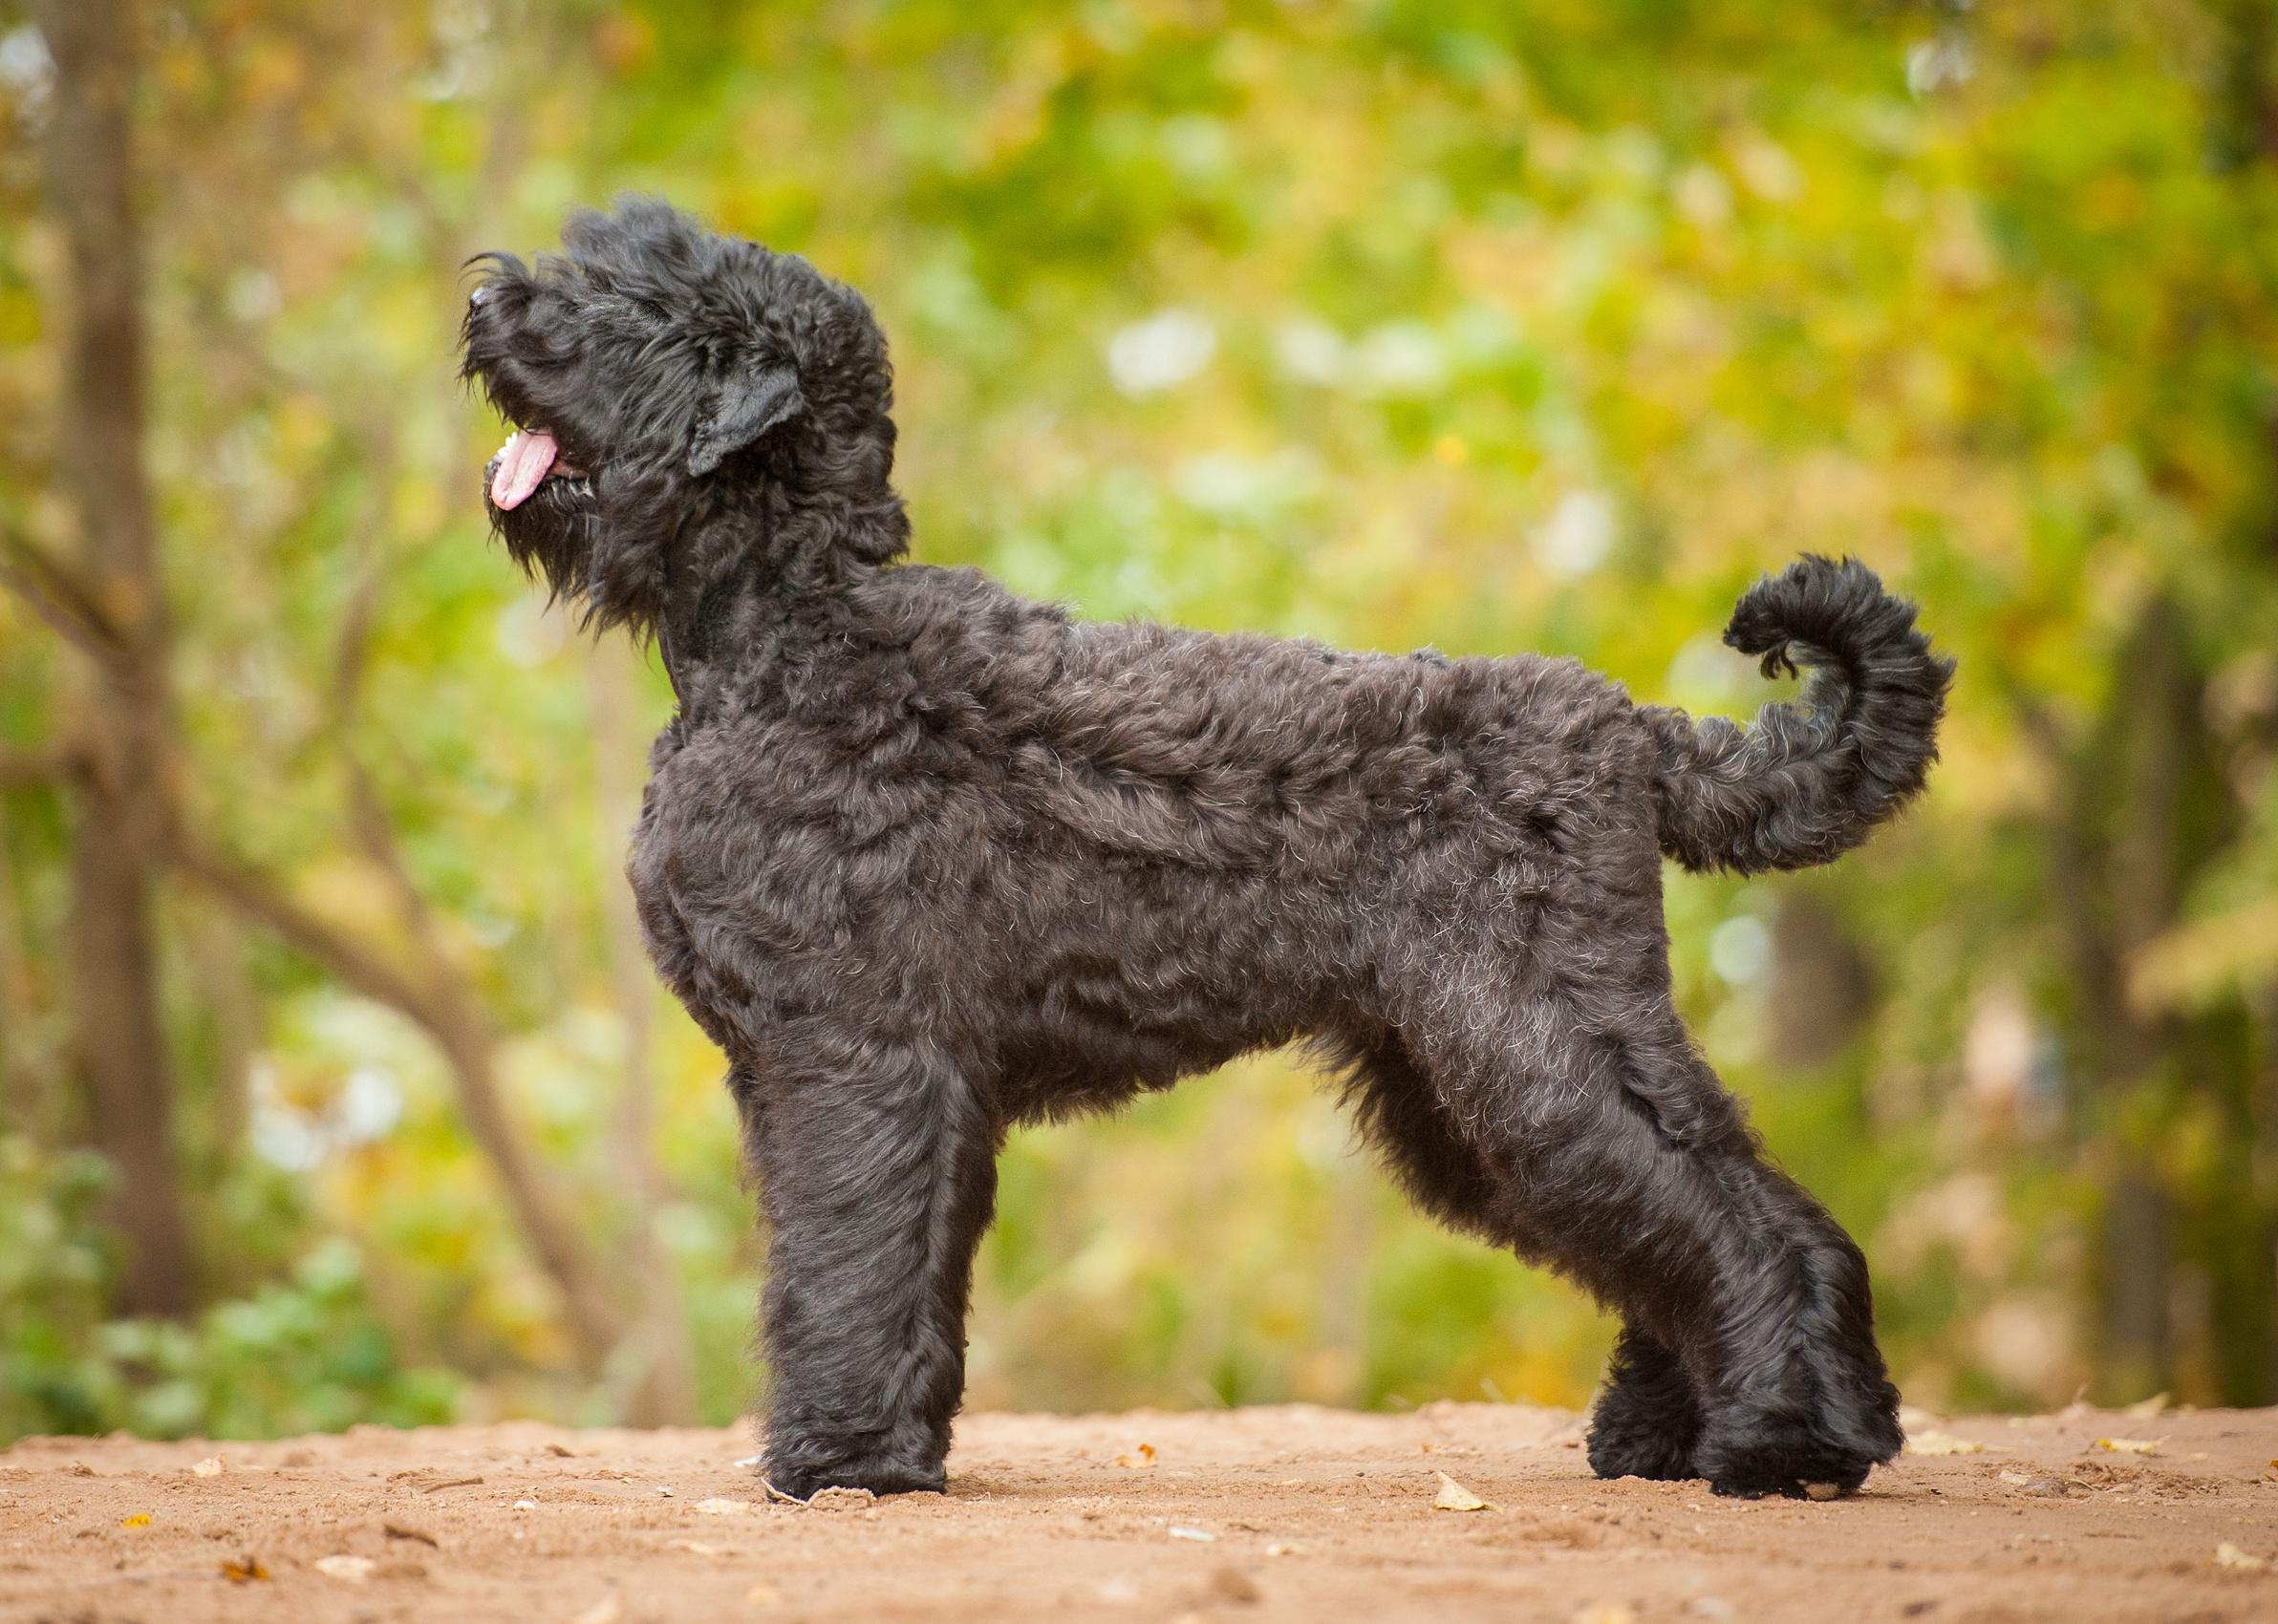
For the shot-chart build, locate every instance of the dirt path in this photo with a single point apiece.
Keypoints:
(1266, 1514)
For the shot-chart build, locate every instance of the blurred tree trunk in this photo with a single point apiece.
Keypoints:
(2145, 812)
(2156, 718)
(118, 792)
(662, 1368)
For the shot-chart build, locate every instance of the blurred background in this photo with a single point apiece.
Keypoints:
(333, 1086)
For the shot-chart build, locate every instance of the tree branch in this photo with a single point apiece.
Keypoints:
(439, 1004)
(57, 595)
(19, 769)
(257, 896)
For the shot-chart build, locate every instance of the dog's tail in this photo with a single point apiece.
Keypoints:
(1807, 781)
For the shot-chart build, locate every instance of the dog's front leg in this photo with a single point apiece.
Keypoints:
(878, 1174)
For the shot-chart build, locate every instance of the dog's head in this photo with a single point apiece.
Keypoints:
(662, 379)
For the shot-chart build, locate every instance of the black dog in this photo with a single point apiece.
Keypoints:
(928, 860)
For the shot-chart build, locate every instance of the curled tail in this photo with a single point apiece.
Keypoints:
(1807, 781)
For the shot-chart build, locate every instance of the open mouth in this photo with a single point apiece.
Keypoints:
(528, 460)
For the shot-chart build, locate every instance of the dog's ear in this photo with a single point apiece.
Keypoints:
(750, 403)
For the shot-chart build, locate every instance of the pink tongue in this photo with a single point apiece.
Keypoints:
(522, 467)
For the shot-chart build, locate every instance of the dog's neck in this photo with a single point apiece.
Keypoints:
(752, 578)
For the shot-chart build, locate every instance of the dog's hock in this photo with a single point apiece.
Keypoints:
(750, 404)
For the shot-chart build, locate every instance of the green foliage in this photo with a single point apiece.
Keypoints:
(1486, 326)
(301, 1352)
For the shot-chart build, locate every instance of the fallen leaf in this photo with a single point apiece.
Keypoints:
(2229, 1556)
(397, 1531)
(1454, 1497)
(721, 1507)
(606, 1611)
(1932, 1442)
(449, 1482)
(139, 1520)
(563, 1451)
(1139, 1460)
(697, 1548)
(351, 1570)
(209, 1467)
(1203, 1535)
(2131, 1445)
(245, 1569)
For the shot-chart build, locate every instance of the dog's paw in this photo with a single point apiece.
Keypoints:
(1796, 1460)
(803, 1481)
(1647, 1421)
(1641, 1452)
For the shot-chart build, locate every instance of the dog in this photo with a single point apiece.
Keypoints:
(928, 860)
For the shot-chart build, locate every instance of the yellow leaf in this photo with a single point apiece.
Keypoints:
(245, 1569)
(1454, 1497)
(1139, 1461)
(139, 1520)
(1936, 1443)
(2131, 1445)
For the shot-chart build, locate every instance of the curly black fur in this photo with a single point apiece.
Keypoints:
(928, 860)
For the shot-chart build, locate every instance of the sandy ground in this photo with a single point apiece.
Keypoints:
(1263, 1515)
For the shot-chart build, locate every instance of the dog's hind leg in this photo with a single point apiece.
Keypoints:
(1647, 1420)
(877, 1171)
(1627, 1167)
